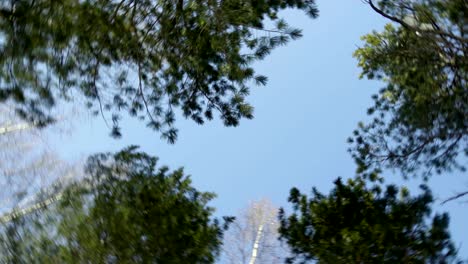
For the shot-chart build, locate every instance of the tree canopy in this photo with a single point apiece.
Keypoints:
(128, 211)
(156, 59)
(146, 57)
(360, 224)
(420, 118)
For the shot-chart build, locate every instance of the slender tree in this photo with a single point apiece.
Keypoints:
(252, 238)
(27, 163)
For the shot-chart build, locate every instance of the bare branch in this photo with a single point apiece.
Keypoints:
(16, 127)
(407, 26)
(459, 195)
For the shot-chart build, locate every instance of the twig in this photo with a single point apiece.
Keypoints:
(455, 197)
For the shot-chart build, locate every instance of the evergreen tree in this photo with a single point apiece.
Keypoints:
(360, 224)
(421, 116)
(128, 211)
(147, 57)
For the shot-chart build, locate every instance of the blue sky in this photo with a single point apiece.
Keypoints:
(311, 104)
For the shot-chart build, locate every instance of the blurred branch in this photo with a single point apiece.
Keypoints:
(27, 210)
(459, 195)
(16, 127)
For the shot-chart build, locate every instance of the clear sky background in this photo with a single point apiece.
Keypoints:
(303, 117)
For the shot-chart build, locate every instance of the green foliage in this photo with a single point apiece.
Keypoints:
(360, 224)
(420, 118)
(146, 57)
(28, 239)
(128, 211)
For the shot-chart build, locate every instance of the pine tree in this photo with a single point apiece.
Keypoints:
(146, 57)
(356, 223)
(420, 118)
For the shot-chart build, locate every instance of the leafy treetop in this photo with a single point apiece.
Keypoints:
(360, 224)
(420, 118)
(127, 211)
(146, 57)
